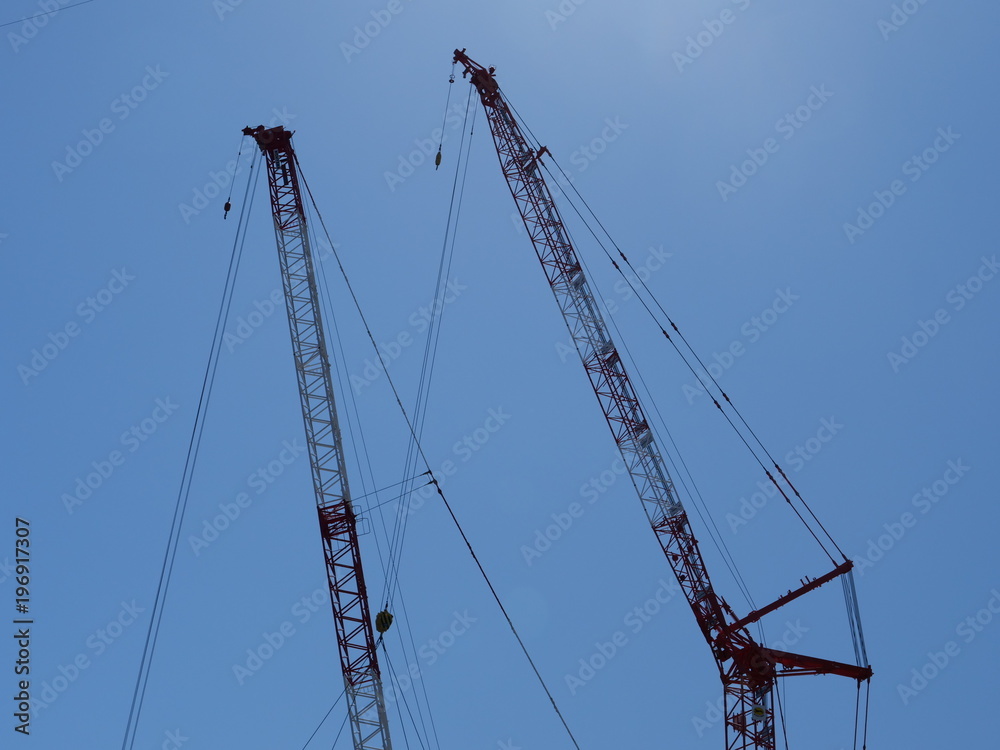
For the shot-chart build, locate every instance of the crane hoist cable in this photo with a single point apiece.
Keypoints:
(781, 711)
(190, 461)
(325, 717)
(394, 498)
(424, 385)
(700, 506)
(684, 358)
(391, 563)
(444, 119)
(694, 353)
(362, 457)
(229, 199)
(323, 720)
(435, 323)
(397, 687)
(388, 487)
(423, 455)
(698, 375)
(47, 13)
(748, 670)
(853, 613)
(336, 515)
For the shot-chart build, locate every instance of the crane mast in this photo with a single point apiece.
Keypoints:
(337, 520)
(748, 670)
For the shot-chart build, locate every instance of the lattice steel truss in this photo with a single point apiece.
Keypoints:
(747, 669)
(337, 520)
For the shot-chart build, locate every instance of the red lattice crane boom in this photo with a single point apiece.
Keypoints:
(748, 669)
(337, 519)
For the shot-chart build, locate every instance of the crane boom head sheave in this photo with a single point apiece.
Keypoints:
(482, 78)
(270, 139)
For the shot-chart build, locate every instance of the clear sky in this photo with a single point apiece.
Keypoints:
(810, 190)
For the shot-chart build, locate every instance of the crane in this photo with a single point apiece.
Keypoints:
(337, 518)
(748, 670)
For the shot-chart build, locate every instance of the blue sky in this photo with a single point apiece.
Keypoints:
(811, 186)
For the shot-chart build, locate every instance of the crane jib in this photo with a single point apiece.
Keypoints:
(338, 524)
(748, 670)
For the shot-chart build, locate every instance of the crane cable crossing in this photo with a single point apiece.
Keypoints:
(436, 318)
(190, 461)
(423, 391)
(699, 503)
(671, 323)
(695, 494)
(339, 366)
(402, 693)
(336, 516)
(847, 580)
(363, 453)
(748, 670)
(323, 721)
(697, 358)
(850, 594)
(423, 455)
(390, 566)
